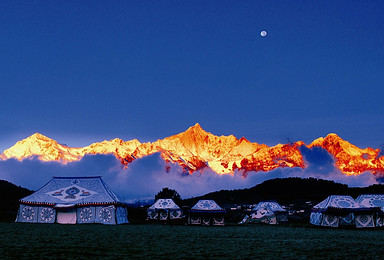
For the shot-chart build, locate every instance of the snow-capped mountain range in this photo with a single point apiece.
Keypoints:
(196, 149)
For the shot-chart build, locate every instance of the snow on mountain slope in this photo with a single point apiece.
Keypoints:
(44, 148)
(196, 149)
(350, 159)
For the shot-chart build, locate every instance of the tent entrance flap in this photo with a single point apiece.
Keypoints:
(66, 217)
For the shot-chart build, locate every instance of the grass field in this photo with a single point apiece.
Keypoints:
(19, 240)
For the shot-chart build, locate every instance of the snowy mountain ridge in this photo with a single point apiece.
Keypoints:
(195, 149)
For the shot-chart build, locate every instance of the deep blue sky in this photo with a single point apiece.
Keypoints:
(85, 71)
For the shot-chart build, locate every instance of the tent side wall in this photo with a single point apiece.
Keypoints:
(109, 214)
(121, 215)
(152, 214)
(330, 221)
(316, 218)
(194, 219)
(379, 220)
(36, 214)
(206, 218)
(164, 214)
(364, 221)
(320, 218)
(281, 216)
(352, 219)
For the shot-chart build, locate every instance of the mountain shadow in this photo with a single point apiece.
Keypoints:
(10, 195)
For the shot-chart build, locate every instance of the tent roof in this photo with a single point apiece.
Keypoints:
(338, 201)
(73, 190)
(273, 206)
(372, 200)
(207, 205)
(164, 204)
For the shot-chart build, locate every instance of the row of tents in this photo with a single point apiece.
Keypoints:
(82, 200)
(367, 211)
(77, 200)
(204, 212)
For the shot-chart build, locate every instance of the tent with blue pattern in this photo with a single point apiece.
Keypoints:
(342, 211)
(164, 209)
(268, 212)
(374, 201)
(73, 200)
(206, 212)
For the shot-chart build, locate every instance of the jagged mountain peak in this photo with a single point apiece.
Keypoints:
(245, 140)
(334, 143)
(330, 138)
(196, 126)
(334, 138)
(195, 130)
(38, 136)
(35, 141)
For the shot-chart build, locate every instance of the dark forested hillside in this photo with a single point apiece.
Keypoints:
(9, 200)
(285, 191)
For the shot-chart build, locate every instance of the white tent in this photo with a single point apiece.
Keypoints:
(342, 210)
(374, 201)
(268, 212)
(71, 200)
(164, 209)
(206, 212)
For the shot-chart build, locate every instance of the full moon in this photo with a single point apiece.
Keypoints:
(263, 33)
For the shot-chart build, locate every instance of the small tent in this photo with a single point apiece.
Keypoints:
(206, 212)
(342, 211)
(374, 201)
(71, 200)
(268, 212)
(164, 209)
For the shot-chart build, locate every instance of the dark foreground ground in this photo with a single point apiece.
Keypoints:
(22, 241)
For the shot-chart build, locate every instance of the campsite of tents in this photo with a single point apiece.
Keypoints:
(89, 200)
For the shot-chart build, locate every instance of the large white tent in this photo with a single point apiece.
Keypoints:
(206, 212)
(374, 201)
(268, 212)
(164, 209)
(342, 211)
(71, 200)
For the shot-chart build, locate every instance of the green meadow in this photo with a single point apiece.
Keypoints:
(43, 241)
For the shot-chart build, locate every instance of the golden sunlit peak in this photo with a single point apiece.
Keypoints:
(333, 136)
(243, 139)
(38, 136)
(197, 126)
(195, 129)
